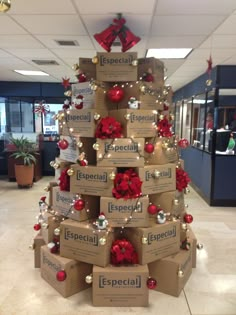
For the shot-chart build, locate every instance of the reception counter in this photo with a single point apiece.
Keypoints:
(212, 175)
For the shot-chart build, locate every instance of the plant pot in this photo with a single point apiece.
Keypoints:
(24, 175)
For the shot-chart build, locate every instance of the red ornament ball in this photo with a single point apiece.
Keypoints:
(79, 204)
(152, 209)
(183, 143)
(115, 94)
(151, 283)
(149, 148)
(188, 218)
(63, 144)
(148, 77)
(61, 275)
(37, 226)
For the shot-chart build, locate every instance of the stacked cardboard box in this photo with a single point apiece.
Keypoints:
(87, 233)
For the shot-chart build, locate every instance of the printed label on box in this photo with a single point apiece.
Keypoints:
(118, 211)
(120, 152)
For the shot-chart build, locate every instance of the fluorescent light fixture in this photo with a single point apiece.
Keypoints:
(169, 53)
(199, 101)
(29, 72)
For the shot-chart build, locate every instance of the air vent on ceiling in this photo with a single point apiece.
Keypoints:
(67, 42)
(46, 62)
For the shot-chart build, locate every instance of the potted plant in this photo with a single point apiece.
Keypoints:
(24, 151)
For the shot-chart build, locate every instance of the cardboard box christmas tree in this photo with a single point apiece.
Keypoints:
(131, 196)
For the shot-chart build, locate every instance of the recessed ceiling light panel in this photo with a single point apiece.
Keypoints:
(29, 72)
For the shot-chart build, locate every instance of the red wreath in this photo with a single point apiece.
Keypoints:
(127, 185)
(108, 128)
(123, 252)
(64, 179)
(182, 179)
(164, 128)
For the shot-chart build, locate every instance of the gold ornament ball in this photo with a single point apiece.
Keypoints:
(75, 67)
(52, 163)
(94, 87)
(127, 116)
(184, 226)
(57, 231)
(199, 246)
(5, 5)
(68, 93)
(161, 117)
(89, 279)
(176, 202)
(96, 116)
(180, 273)
(96, 146)
(135, 63)
(208, 82)
(46, 189)
(79, 144)
(56, 165)
(102, 241)
(70, 172)
(95, 60)
(112, 176)
(144, 240)
(143, 88)
(32, 246)
(44, 226)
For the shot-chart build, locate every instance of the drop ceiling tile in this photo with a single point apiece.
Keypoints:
(175, 41)
(19, 41)
(181, 7)
(51, 24)
(230, 61)
(138, 24)
(49, 41)
(74, 52)
(185, 25)
(205, 53)
(4, 54)
(8, 26)
(220, 41)
(112, 7)
(42, 7)
(228, 27)
(31, 53)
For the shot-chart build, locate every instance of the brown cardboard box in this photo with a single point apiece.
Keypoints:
(72, 153)
(161, 155)
(120, 286)
(152, 185)
(92, 180)
(118, 211)
(170, 201)
(193, 240)
(155, 242)
(80, 241)
(165, 272)
(75, 272)
(62, 201)
(82, 122)
(91, 98)
(144, 100)
(116, 67)
(153, 66)
(121, 152)
(87, 67)
(38, 242)
(48, 233)
(136, 123)
(50, 192)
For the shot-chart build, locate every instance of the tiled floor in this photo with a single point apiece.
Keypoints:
(210, 290)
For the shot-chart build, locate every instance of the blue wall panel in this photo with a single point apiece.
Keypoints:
(198, 165)
(225, 177)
